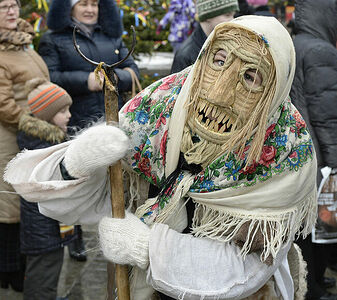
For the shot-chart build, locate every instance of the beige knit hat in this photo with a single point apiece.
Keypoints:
(46, 99)
(207, 9)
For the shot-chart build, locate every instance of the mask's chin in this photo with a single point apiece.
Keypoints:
(212, 122)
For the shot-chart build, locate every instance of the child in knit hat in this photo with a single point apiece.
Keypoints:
(42, 238)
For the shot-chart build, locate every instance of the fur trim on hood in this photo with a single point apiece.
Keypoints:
(59, 17)
(41, 129)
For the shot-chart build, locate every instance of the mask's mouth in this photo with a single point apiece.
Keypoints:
(213, 118)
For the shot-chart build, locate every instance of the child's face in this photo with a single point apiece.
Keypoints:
(61, 119)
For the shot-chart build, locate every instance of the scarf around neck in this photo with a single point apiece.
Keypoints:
(276, 195)
(16, 39)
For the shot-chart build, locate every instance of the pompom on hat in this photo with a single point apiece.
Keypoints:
(46, 99)
(257, 2)
(207, 9)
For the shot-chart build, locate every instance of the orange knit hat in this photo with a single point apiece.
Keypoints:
(46, 99)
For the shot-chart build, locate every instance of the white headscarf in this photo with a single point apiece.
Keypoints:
(73, 2)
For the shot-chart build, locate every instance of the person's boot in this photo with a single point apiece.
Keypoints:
(328, 296)
(76, 248)
(328, 282)
(16, 280)
(13, 279)
(4, 284)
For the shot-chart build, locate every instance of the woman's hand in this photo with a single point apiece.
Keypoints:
(93, 84)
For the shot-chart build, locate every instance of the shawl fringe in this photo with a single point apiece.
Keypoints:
(277, 229)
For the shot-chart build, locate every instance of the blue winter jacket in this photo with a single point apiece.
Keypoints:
(70, 71)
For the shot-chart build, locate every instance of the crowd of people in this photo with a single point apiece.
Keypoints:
(223, 156)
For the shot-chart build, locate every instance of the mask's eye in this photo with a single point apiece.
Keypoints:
(253, 78)
(220, 58)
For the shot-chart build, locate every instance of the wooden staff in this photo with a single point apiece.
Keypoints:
(116, 177)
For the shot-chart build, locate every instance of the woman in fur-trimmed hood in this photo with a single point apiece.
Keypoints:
(222, 137)
(100, 39)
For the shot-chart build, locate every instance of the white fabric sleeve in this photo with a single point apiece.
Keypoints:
(190, 268)
(36, 176)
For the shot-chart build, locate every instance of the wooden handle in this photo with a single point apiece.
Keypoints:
(117, 203)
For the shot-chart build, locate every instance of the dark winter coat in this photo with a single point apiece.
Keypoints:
(244, 9)
(263, 10)
(38, 233)
(70, 71)
(314, 90)
(188, 52)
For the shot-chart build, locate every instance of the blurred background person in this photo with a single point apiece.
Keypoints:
(18, 63)
(42, 238)
(314, 93)
(244, 9)
(100, 39)
(180, 15)
(260, 7)
(208, 16)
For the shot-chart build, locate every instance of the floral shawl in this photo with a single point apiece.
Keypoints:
(276, 194)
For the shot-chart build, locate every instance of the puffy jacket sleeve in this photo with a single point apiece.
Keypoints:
(9, 111)
(124, 77)
(75, 82)
(320, 92)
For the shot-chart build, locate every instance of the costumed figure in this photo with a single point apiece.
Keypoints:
(234, 162)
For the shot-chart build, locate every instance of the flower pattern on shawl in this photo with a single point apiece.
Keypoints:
(279, 154)
(146, 121)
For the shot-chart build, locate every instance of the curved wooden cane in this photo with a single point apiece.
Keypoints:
(116, 180)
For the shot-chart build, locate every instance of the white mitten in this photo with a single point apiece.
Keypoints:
(96, 147)
(125, 241)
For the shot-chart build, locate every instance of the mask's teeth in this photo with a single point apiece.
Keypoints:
(199, 106)
(207, 122)
(222, 129)
(200, 118)
(202, 105)
(209, 109)
(222, 115)
(217, 113)
(230, 122)
(214, 112)
(211, 125)
(225, 119)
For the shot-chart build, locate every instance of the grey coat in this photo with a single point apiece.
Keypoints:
(314, 90)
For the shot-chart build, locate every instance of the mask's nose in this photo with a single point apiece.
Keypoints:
(222, 92)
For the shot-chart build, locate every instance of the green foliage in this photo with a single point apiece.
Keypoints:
(35, 14)
(145, 15)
